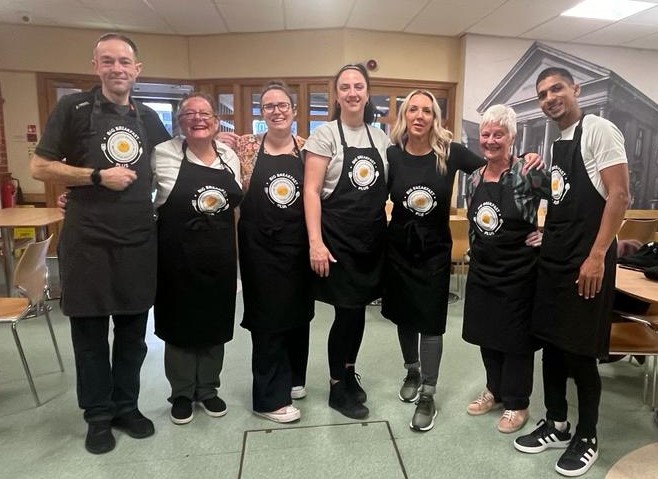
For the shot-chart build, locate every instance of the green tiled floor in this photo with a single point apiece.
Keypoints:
(47, 442)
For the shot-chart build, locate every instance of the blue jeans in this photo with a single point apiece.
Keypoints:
(106, 390)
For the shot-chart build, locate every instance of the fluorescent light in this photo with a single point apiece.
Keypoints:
(612, 10)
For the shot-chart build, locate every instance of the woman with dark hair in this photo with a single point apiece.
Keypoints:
(423, 162)
(198, 189)
(276, 277)
(344, 197)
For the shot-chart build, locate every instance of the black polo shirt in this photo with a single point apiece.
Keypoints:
(68, 126)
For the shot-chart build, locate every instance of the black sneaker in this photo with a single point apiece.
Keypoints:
(423, 419)
(135, 424)
(181, 410)
(353, 385)
(99, 438)
(345, 403)
(579, 457)
(213, 407)
(544, 437)
(410, 386)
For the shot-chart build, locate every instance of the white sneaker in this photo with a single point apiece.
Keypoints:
(284, 414)
(298, 392)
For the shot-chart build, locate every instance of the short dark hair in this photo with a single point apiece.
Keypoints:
(277, 85)
(117, 36)
(198, 94)
(369, 110)
(555, 71)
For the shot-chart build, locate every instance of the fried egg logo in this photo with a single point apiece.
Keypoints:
(121, 146)
(282, 190)
(488, 219)
(559, 184)
(420, 200)
(210, 200)
(363, 173)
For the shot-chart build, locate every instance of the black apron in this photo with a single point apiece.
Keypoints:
(197, 264)
(353, 228)
(418, 249)
(502, 271)
(562, 317)
(107, 247)
(274, 267)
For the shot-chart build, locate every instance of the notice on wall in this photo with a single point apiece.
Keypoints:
(31, 135)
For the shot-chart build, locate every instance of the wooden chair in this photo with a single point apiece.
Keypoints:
(30, 282)
(460, 249)
(642, 230)
(637, 338)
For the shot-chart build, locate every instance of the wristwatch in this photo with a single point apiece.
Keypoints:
(96, 176)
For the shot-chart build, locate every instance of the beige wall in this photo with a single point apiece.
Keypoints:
(25, 50)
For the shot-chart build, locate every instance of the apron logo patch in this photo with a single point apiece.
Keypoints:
(210, 200)
(363, 172)
(420, 200)
(559, 184)
(282, 189)
(488, 218)
(121, 146)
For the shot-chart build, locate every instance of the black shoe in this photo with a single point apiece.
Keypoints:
(579, 457)
(182, 411)
(353, 385)
(99, 437)
(409, 392)
(423, 419)
(135, 424)
(214, 407)
(343, 402)
(544, 437)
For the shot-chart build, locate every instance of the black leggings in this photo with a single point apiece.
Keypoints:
(345, 339)
(557, 364)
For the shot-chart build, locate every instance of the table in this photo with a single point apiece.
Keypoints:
(10, 218)
(635, 284)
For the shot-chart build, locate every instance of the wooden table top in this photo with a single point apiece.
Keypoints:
(13, 217)
(635, 284)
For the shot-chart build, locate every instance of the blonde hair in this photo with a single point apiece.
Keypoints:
(439, 138)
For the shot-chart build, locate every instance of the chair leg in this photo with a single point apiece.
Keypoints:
(655, 372)
(24, 361)
(52, 335)
(645, 385)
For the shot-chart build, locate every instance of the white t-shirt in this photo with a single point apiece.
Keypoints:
(601, 145)
(325, 141)
(166, 161)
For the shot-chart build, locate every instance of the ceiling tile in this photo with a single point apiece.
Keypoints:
(617, 34)
(203, 19)
(386, 15)
(565, 29)
(303, 14)
(451, 17)
(650, 42)
(252, 15)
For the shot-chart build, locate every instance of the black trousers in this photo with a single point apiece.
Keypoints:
(105, 389)
(509, 377)
(278, 362)
(345, 339)
(557, 364)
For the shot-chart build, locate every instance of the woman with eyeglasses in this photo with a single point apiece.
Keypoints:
(274, 268)
(344, 197)
(197, 191)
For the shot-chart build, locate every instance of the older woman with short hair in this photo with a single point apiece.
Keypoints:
(500, 286)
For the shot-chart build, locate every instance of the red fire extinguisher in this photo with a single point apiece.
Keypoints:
(8, 192)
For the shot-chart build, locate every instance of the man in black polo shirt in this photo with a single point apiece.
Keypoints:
(98, 143)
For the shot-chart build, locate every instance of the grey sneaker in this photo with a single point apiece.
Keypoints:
(410, 386)
(423, 419)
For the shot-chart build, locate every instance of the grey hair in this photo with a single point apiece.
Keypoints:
(500, 115)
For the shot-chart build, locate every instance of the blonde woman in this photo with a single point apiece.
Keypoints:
(423, 161)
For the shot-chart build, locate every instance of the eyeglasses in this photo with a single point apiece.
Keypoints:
(204, 115)
(269, 107)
